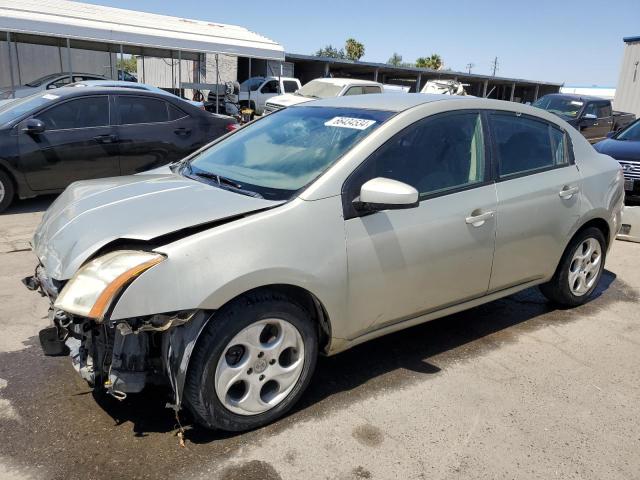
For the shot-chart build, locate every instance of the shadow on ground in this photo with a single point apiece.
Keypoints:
(61, 421)
(30, 205)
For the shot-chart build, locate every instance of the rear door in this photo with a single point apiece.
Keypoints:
(152, 132)
(78, 144)
(538, 187)
(402, 263)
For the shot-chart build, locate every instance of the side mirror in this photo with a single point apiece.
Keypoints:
(34, 126)
(52, 86)
(385, 194)
(611, 134)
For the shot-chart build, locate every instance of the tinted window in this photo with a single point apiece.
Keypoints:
(60, 83)
(270, 87)
(354, 91)
(525, 144)
(604, 110)
(80, 113)
(591, 109)
(289, 86)
(434, 154)
(175, 113)
(373, 89)
(141, 110)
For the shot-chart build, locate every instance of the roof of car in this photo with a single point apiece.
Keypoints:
(575, 96)
(392, 102)
(345, 81)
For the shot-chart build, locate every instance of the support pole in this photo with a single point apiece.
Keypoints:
(142, 57)
(173, 75)
(484, 89)
(180, 73)
(13, 83)
(121, 63)
(70, 63)
(419, 83)
(249, 101)
(535, 95)
(217, 85)
(326, 70)
(375, 75)
(513, 91)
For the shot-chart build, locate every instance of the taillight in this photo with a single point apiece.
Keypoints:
(232, 126)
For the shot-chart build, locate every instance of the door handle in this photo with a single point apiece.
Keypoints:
(182, 131)
(105, 138)
(478, 220)
(567, 192)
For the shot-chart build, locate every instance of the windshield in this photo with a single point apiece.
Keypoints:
(319, 89)
(282, 152)
(562, 106)
(16, 108)
(251, 84)
(41, 80)
(631, 133)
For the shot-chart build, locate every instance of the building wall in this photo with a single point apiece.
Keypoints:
(34, 61)
(628, 91)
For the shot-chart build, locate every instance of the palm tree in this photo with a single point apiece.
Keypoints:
(434, 62)
(395, 59)
(354, 49)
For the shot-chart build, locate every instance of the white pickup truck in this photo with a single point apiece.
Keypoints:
(323, 88)
(255, 91)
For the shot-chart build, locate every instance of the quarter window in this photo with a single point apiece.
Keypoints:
(134, 110)
(175, 113)
(433, 155)
(81, 113)
(373, 89)
(527, 145)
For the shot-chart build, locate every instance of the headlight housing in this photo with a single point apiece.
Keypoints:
(93, 288)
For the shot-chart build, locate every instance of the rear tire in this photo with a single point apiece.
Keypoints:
(579, 271)
(7, 191)
(252, 362)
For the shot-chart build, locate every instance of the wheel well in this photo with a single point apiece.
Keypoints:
(599, 223)
(305, 299)
(12, 179)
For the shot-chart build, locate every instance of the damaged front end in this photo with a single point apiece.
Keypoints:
(117, 356)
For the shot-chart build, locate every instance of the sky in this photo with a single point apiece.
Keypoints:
(576, 42)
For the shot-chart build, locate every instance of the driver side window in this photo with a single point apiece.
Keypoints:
(270, 87)
(434, 155)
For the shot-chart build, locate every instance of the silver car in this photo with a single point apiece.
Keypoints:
(310, 231)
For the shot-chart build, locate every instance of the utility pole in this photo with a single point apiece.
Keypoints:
(470, 66)
(494, 66)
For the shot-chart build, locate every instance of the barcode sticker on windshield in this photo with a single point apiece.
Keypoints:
(348, 122)
(49, 96)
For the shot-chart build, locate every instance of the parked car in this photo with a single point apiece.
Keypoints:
(311, 230)
(624, 146)
(48, 82)
(125, 76)
(255, 91)
(323, 88)
(135, 86)
(52, 139)
(592, 116)
(630, 229)
(444, 87)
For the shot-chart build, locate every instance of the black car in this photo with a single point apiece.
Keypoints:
(52, 139)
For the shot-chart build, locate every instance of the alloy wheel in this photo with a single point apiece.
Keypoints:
(585, 267)
(259, 367)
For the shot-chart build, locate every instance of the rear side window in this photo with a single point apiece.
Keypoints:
(175, 113)
(134, 110)
(604, 110)
(354, 91)
(526, 145)
(434, 155)
(80, 113)
(372, 89)
(289, 86)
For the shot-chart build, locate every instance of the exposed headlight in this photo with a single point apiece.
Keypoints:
(91, 290)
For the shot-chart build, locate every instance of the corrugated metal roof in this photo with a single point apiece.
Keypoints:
(67, 19)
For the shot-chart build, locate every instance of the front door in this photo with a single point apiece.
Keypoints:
(78, 144)
(403, 263)
(538, 198)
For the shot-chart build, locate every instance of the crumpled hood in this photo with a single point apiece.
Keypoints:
(289, 99)
(92, 213)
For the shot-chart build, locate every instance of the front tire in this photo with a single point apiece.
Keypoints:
(252, 363)
(579, 271)
(7, 191)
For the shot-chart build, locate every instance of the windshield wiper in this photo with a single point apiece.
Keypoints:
(227, 182)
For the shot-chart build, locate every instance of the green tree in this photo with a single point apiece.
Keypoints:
(331, 52)
(395, 59)
(354, 49)
(128, 64)
(433, 62)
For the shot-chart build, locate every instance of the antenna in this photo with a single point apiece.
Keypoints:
(470, 66)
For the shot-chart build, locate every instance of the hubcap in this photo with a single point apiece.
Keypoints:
(259, 367)
(2, 192)
(585, 267)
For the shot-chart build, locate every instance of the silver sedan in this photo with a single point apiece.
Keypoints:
(310, 231)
